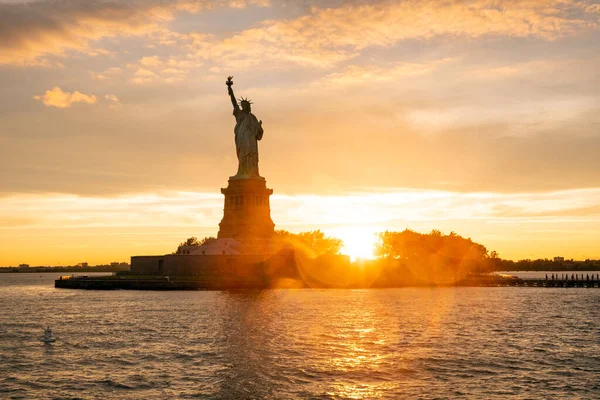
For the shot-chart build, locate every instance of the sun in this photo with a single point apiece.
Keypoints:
(359, 242)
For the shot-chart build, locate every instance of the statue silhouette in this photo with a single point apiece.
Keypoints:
(248, 131)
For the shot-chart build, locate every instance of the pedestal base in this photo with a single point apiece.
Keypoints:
(247, 211)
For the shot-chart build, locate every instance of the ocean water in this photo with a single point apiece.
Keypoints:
(426, 343)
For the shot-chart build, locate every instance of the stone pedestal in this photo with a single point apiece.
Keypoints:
(247, 211)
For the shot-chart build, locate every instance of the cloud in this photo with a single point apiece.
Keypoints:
(92, 52)
(359, 74)
(593, 8)
(106, 74)
(31, 31)
(151, 69)
(143, 75)
(517, 225)
(321, 38)
(150, 61)
(59, 99)
(327, 36)
(416, 123)
(377, 207)
(173, 75)
(114, 101)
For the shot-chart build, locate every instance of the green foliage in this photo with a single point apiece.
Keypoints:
(314, 242)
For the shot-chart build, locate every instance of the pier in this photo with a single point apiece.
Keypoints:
(561, 281)
(558, 283)
(550, 281)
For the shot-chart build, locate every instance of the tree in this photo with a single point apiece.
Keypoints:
(434, 257)
(194, 242)
(315, 242)
(207, 240)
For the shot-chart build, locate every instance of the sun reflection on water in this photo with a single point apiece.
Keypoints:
(342, 344)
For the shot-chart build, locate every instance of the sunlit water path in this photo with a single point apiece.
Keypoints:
(492, 343)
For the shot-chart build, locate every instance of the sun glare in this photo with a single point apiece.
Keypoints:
(359, 242)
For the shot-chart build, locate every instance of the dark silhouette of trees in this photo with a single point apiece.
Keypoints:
(193, 241)
(547, 265)
(207, 240)
(434, 257)
(313, 242)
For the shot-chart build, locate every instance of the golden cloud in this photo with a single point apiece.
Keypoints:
(143, 75)
(113, 100)
(59, 99)
(357, 74)
(593, 8)
(322, 38)
(154, 69)
(107, 74)
(518, 225)
(150, 61)
(328, 36)
(30, 32)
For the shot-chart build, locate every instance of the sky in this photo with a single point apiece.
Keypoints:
(479, 117)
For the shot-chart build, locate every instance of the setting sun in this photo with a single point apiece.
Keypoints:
(359, 242)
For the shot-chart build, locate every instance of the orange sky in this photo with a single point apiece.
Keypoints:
(479, 117)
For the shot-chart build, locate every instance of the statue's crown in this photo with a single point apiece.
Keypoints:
(245, 100)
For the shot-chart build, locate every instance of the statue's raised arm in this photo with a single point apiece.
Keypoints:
(248, 131)
(229, 83)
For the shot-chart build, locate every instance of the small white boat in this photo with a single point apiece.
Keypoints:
(48, 338)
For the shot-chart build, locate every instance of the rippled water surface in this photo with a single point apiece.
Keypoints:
(479, 343)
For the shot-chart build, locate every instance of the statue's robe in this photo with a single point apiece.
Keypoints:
(247, 134)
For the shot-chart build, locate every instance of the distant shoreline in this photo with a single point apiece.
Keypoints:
(579, 268)
(34, 270)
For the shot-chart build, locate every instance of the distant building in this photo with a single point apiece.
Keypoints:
(559, 259)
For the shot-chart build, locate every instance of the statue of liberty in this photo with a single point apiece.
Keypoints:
(248, 131)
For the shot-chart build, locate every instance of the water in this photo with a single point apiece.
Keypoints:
(410, 343)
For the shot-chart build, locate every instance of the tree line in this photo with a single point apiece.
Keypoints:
(431, 254)
(314, 242)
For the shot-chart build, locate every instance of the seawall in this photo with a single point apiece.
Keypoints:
(187, 283)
